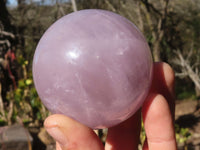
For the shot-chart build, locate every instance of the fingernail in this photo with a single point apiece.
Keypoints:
(58, 135)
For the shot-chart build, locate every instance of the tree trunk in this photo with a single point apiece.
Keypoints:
(74, 6)
(156, 51)
(197, 90)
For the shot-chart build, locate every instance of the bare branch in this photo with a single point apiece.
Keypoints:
(150, 6)
(157, 30)
(7, 34)
(197, 71)
(5, 42)
(181, 75)
(186, 67)
(138, 10)
(190, 52)
(196, 64)
(165, 6)
(149, 20)
(110, 6)
(180, 58)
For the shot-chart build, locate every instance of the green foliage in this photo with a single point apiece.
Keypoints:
(21, 60)
(2, 122)
(27, 104)
(26, 94)
(142, 134)
(187, 95)
(185, 92)
(182, 134)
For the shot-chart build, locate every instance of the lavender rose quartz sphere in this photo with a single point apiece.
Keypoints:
(93, 66)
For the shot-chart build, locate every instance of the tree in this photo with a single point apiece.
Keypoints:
(150, 16)
(187, 68)
(156, 19)
(186, 58)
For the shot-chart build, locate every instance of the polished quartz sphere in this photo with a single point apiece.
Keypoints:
(94, 66)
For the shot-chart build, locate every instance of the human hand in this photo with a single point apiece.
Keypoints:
(157, 113)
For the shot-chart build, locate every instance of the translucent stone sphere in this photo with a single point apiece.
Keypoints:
(94, 66)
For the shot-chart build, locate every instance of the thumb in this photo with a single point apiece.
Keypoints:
(71, 135)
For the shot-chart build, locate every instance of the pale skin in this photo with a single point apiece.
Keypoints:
(157, 113)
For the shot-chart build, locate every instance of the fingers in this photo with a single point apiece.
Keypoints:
(163, 78)
(71, 135)
(163, 83)
(158, 110)
(158, 124)
(120, 136)
(58, 146)
(125, 136)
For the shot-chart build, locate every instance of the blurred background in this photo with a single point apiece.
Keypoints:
(171, 27)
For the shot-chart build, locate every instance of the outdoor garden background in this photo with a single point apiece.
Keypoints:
(171, 27)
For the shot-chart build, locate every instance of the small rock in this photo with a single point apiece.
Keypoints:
(15, 137)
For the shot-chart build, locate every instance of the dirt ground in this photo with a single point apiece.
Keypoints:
(187, 115)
